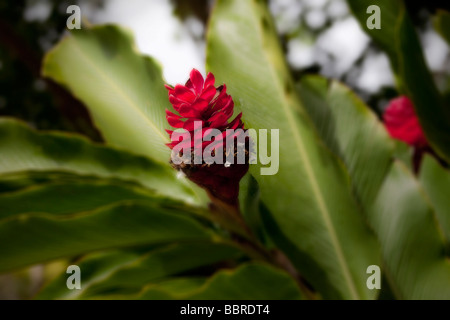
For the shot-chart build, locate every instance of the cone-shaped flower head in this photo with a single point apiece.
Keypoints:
(200, 102)
(202, 106)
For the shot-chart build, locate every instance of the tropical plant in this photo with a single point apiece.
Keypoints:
(346, 196)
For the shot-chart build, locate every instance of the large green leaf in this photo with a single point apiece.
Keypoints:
(69, 197)
(31, 238)
(23, 149)
(131, 270)
(442, 24)
(173, 289)
(352, 131)
(436, 182)
(310, 197)
(243, 283)
(398, 38)
(94, 267)
(412, 243)
(123, 90)
(16, 181)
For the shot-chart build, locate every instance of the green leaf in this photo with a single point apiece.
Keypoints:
(404, 153)
(352, 131)
(243, 283)
(310, 197)
(23, 149)
(436, 182)
(64, 198)
(16, 181)
(398, 38)
(162, 263)
(128, 270)
(412, 244)
(123, 90)
(37, 237)
(174, 289)
(250, 203)
(442, 24)
(94, 268)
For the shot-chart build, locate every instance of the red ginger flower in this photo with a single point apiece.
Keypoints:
(200, 101)
(402, 123)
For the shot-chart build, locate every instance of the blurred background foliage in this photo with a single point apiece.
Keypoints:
(318, 36)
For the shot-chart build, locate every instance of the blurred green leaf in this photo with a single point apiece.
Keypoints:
(310, 197)
(23, 149)
(404, 153)
(250, 203)
(412, 244)
(398, 38)
(243, 283)
(73, 197)
(131, 270)
(31, 238)
(16, 181)
(442, 24)
(173, 289)
(94, 267)
(436, 182)
(123, 90)
(352, 131)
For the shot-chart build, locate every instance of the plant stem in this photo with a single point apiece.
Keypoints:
(230, 217)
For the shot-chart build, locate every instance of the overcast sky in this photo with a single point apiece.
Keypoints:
(162, 35)
(159, 34)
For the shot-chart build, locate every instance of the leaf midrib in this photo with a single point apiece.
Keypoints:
(118, 90)
(310, 174)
